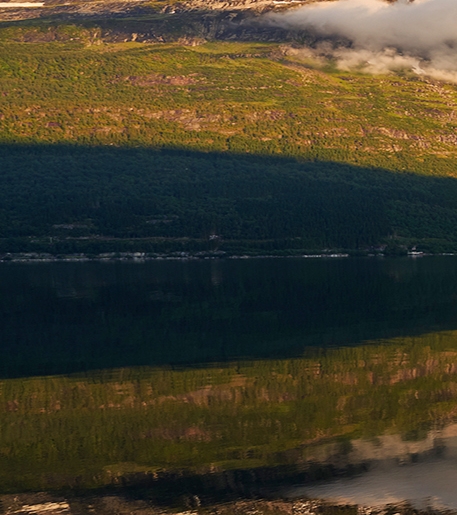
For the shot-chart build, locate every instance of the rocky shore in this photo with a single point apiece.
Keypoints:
(48, 504)
(36, 257)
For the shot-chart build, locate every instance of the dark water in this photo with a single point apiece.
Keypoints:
(231, 377)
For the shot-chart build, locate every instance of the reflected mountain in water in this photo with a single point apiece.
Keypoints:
(279, 420)
(425, 485)
(66, 318)
(424, 473)
(318, 370)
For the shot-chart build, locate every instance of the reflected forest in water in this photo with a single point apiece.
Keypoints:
(117, 374)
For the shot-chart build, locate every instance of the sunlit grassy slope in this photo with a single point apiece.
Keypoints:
(219, 99)
(224, 97)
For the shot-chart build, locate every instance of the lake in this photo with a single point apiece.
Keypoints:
(334, 378)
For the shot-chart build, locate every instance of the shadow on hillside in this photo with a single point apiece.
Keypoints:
(63, 318)
(116, 192)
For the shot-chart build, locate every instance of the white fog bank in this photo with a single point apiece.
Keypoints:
(420, 35)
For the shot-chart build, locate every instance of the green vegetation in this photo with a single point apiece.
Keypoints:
(157, 147)
(184, 371)
(92, 430)
(111, 146)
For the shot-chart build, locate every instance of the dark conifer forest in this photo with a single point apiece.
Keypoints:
(221, 146)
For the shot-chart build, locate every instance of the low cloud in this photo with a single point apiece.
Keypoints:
(420, 36)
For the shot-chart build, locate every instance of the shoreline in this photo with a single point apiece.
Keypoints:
(142, 257)
(42, 503)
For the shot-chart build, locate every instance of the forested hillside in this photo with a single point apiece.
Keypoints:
(165, 147)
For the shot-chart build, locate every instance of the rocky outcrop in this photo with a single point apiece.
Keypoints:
(59, 9)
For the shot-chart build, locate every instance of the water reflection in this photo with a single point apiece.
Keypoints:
(63, 318)
(422, 473)
(278, 405)
(342, 410)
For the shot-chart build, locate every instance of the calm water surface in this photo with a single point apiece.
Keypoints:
(333, 378)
